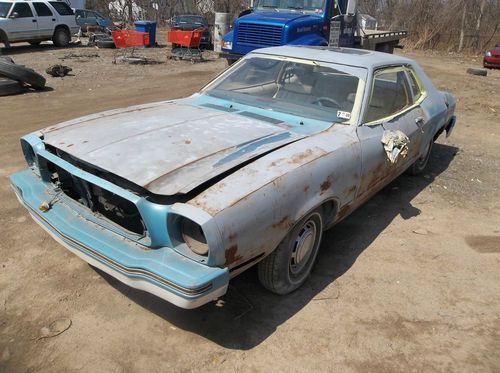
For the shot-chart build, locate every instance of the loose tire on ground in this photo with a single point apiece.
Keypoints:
(22, 74)
(61, 37)
(478, 72)
(6, 59)
(289, 265)
(105, 44)
(10, 87)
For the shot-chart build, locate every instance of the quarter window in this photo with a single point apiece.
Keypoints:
(23, 10)
(390, 94)
(417, 92)
(42, 10)
(62, 8)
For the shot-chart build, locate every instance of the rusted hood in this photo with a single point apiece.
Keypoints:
(167, 147)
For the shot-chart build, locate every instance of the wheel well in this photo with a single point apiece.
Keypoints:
(61, 27)
(329, 211)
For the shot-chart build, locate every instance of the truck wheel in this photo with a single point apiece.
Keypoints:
(287, 267)
(61, 37)
(419, 165)
(22, 74)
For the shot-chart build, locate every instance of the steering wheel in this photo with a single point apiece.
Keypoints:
(321, 101)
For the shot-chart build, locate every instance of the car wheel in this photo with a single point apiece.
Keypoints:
(287, 267)
(35, 43)
(419, 165)
(22, 74)
(61, 37)
(10, 87)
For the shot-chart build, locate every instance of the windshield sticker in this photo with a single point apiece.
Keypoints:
(343, 114)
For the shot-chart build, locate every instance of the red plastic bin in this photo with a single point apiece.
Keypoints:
(187, 39)
(130, 38)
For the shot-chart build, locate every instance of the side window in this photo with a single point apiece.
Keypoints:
(415, 87)
(62, 8)
(23, 10)
(79, 13)
(42, 10)
(390, 94)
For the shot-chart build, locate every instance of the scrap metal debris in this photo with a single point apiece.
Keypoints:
(80, 57)
(395, 144)
(58, 70)
(137, 60)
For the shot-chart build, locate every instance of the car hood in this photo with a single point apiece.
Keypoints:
(167, 148)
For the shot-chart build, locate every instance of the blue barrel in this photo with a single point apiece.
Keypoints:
(149, 27)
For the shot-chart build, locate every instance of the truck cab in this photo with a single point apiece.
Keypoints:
(300, 22)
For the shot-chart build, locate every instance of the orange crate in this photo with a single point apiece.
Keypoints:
(130, 38)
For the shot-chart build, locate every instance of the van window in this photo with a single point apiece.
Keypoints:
(23, 10)
(62, 8)
(42, 10)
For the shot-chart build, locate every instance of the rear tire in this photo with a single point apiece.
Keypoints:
(420, 164)
(289, 265)
(22, 74)
(61, 37)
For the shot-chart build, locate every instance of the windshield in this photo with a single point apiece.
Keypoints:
(302, 89)
(303, 5)
(189, 19)
(4, 9)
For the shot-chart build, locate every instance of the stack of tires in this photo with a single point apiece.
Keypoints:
(16, 79)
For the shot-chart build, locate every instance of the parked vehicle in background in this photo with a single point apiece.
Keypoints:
(177, 197)
(86, 18)
(304, 22)
(491, 58)
(190, 22)
(36, 21)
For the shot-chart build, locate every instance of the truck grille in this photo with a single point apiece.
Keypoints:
(259, 35)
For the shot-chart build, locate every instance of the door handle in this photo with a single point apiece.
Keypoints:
(420, 123)
(33, 20)
(53, 19)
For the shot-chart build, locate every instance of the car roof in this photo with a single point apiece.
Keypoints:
(347, 56)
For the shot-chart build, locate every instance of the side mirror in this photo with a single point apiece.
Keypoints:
(14, 15)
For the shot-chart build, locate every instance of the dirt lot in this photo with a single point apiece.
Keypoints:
(410, 281)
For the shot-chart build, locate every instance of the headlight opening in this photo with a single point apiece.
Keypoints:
(194, 237)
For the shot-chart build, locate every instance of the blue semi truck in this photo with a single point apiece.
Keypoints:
(303, 22)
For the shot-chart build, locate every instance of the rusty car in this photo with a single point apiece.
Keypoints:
(177, 197)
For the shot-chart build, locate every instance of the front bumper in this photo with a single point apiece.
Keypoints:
(162, 272)
(491, 62)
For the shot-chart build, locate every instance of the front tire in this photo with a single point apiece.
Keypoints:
(61, 37)
(289, 265)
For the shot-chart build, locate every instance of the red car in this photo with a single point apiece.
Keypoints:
(492, 57)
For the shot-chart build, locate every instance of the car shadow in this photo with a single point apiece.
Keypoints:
(22, 48)
(248, 314)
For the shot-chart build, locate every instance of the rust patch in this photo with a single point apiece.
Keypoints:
(325, 185)
(343, 212)
(306, 188)
(284, 223)
(299, 157)
(484, 244)
(231, 256)
(349, 190)
(69, 146)
(232, 236)
(187, 142)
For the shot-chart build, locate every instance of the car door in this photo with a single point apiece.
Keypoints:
(390, 110)
(46, 20)
(23, 24)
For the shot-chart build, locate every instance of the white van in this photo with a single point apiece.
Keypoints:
(36, 21)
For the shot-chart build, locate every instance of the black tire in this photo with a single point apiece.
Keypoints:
(105, 44)
(22, 74)
(230, 62)
(61, 37)
(35, 43)
(478, 72)
(288, 266)
(10, 87)
(4, 39)
(418, 167)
